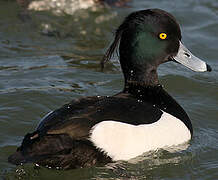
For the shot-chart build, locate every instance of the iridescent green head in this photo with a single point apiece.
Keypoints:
(146, 39)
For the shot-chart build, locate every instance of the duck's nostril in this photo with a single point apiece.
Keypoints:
(187, 55)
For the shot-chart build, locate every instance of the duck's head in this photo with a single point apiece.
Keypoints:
(146, 39)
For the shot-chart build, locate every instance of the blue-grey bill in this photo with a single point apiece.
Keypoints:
(186, 58)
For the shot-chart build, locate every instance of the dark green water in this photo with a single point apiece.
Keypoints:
(39, 73)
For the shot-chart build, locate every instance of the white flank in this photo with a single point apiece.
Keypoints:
(123, 141)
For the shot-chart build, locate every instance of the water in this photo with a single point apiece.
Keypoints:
(49, 60)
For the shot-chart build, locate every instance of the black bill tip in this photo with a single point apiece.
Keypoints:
(209, 68)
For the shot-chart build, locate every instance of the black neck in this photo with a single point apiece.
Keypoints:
(144, 74)
(146, 78)
(158, 97)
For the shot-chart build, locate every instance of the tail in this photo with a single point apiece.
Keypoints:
(58, 150)
(35, 148)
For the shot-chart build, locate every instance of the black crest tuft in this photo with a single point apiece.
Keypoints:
(113, 47)
(131, 21)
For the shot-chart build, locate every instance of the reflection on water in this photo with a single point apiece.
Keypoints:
(143, 169)
(61, 6)
(47, 60)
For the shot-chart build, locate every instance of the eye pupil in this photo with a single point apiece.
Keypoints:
(163, 35)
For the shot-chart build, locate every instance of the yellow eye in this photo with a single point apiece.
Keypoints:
(162, 35)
